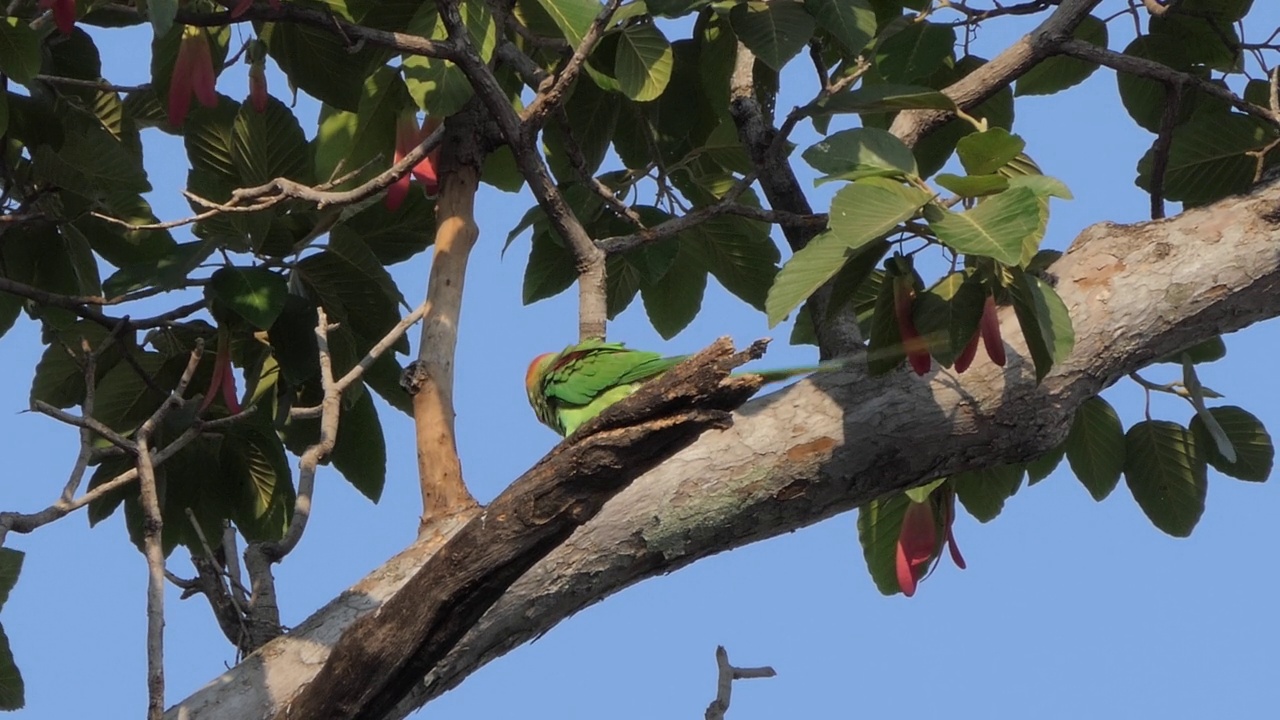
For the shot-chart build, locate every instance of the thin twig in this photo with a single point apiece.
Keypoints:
(724, 682)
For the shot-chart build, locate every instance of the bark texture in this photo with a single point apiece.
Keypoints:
(824, 446)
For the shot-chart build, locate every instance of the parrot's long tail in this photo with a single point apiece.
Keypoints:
(773, 376)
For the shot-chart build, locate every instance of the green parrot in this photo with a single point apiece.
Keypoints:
(574, 385)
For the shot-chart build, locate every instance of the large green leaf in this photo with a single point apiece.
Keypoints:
(392, 236)
(1212, 156)
(739, 253)
(861, 152)
(861, 212)
(1165, 471)
(270, 144)
(10, 568)
(1060, 72)
(573, 17)
(350, 248)
(346, 141)
(914, 52)
(673, 301)
(1205, 40)
(351, 295)
(550, 270)
(360, 452)
(983, 492)
(321, 64)
(879, 524)
(1043, 466)
(997, 228)
(774, 31)
(852, 22)
(595, 114)
(12, 691)
(1255, 453)
(254, 462)
(1095, 447)
(1146, 99)
(19, 50)
(643, 62)
(254, 293)
(123, 399)
(985, 152)
(59, 376)
(1045, 321)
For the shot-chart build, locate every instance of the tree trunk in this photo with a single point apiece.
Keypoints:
(826, 445)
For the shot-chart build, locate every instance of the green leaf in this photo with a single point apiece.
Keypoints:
(1210, 158)
(439, 87)
(19, 50)
(775, 31)
(162, 13)
(350, 248)
(986, 152)
(254, 293)
(267, 145)
(643, 62)
(947, 315)
(123, 399)
(1144, 99)
(104, 506)
(673, 301)
(360, 451)
(1060, 72)
(550, 271)
(1095, 447)
(595, 114)
(59, 376)
(254, 460)
(852, 22)
(352, 296)
(1043, 466)
(346, 142)
(879, 524)
(12, 691)
(1165, 471)
(997, 228)
(861, 212)
(971, 186)
(861, 152)
(871, 99)
(983, 492)
(393, 236)
(1255, 452)
(321, 63)
(10, 568)
(1204, 40)
(573, 17)
(915, 52)
(739, 253)
(1045, 321)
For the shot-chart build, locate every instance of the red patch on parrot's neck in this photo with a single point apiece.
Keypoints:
(535, 369)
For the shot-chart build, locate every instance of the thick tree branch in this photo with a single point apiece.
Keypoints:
(386, 653)
(825, 446)
(1006, 67)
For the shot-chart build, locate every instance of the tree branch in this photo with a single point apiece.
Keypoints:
(822, 447)
(380, 659)
(724, 683)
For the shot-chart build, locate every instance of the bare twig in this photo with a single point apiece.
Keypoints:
(355, 373)
(724, 683)
(312, 457)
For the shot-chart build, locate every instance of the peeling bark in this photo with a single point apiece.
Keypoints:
(824, 446)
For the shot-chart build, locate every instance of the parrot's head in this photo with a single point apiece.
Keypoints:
(536, 370)
(533, 384)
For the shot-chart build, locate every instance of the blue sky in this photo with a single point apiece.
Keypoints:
(1069, 608)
